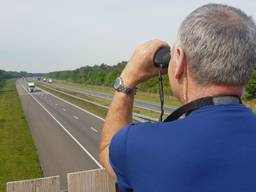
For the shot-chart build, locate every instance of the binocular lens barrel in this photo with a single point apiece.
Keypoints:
(162, 57)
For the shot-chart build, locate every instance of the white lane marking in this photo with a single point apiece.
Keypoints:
(56, 104)
(95, 130)
(73, 105)
(75, 117)
(64, 109)
(77, 142)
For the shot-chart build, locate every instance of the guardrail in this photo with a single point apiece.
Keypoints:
(85, 181)
(136, 116)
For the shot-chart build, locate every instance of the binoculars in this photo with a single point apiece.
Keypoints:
(162, 57)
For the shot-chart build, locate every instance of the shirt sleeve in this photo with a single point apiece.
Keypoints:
(117, 156)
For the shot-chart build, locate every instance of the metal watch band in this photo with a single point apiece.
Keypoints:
(127, 90)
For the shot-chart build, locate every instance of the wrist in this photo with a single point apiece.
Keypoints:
(128, 81)
(120, 86)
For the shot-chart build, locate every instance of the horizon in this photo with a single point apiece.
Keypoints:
(61, 70)
(48, 36)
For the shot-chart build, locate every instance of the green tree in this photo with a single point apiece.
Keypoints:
(251, 87)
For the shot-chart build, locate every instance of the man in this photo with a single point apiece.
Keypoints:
(213, 148)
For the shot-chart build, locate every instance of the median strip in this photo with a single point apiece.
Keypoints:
(101, 108)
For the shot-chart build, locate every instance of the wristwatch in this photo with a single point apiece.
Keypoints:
(120, 87)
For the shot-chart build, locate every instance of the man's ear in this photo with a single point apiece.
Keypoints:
(181, 64)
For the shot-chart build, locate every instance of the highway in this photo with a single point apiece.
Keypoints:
(137, 103)
(66, 137)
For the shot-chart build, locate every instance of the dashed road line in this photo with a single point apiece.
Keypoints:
(75, 117)
(64, 109)
(95, 130)
(92, 114)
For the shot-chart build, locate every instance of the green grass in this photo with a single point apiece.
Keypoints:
(151, 97)
(18, 155)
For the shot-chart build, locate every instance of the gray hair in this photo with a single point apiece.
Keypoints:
(220, 44)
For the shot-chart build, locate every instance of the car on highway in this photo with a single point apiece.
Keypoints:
(44, 79)
(31, 87)
(49, 80)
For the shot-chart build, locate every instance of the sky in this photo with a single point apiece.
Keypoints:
(53, 35)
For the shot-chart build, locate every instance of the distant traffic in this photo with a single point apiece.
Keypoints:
(49, 80)
(31, 87)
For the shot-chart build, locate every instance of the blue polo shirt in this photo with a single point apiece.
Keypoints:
(211, 150)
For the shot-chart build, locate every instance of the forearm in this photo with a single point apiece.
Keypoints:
(119, 116)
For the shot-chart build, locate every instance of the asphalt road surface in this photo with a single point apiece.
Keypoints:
(66, 137)
(138, 103)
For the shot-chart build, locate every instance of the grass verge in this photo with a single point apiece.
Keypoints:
(18, 155)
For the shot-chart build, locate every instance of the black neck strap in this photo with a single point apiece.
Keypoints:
(202, 102)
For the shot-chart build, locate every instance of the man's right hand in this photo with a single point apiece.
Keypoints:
(140, 66)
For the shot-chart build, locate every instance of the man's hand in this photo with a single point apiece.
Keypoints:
(140, 66)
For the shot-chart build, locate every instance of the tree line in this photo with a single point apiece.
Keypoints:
(4, 75)
(251, 87)
(104, 75)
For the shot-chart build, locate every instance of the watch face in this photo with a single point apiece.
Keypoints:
(118, 83)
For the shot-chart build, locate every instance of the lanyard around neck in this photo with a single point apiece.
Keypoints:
(202, 102)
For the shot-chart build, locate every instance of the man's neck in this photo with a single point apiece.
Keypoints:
(200, 92)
